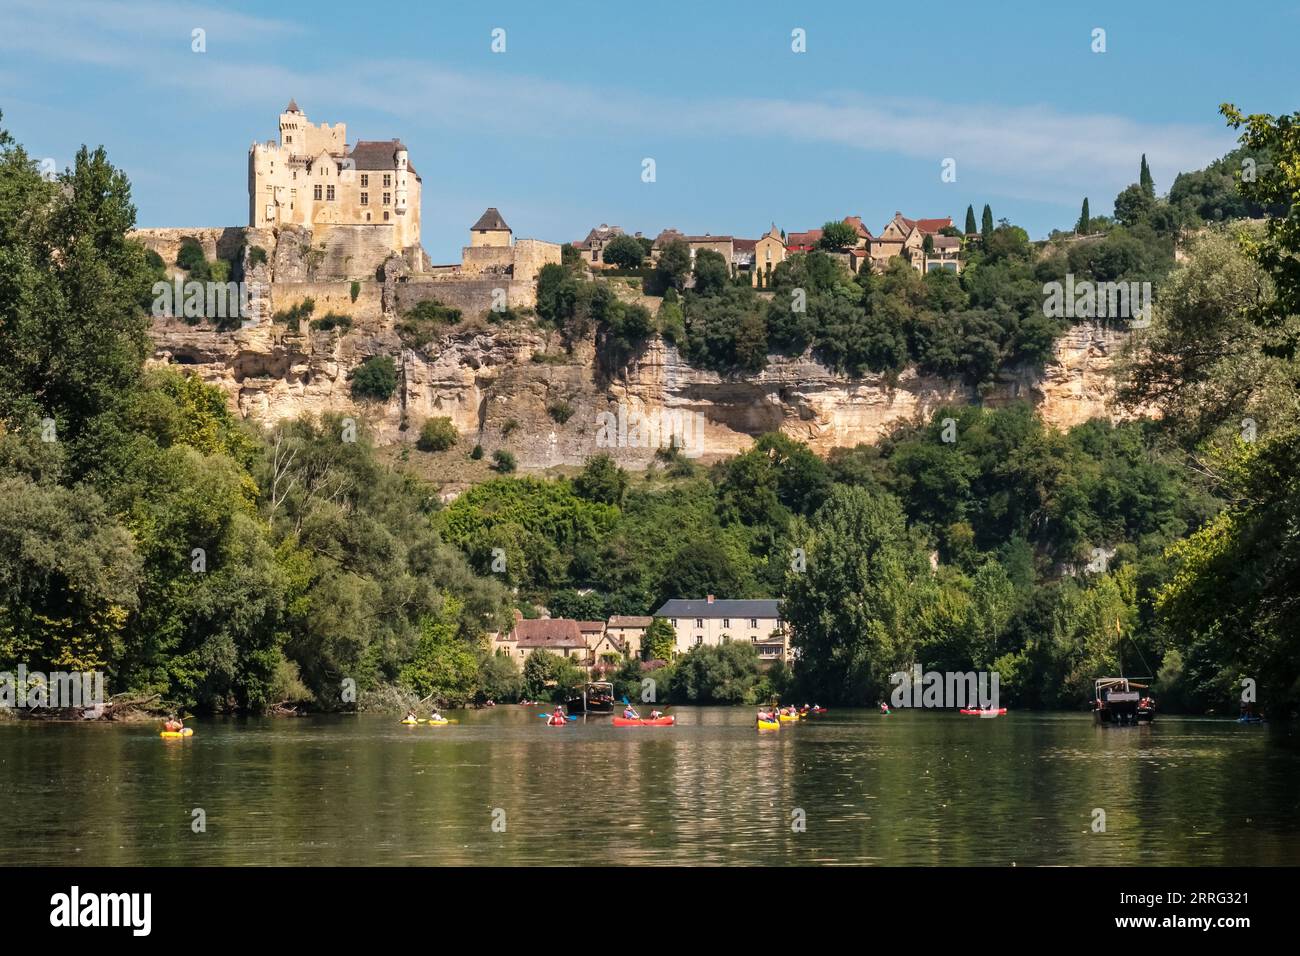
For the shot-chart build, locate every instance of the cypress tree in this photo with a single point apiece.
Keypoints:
(1085, 220)
(1144, 179)
(970, 220)
(986, 222)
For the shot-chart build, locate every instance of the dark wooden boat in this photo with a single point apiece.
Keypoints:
(1119, 700)
(597, 697)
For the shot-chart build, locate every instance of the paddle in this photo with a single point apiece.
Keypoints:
(549, 715)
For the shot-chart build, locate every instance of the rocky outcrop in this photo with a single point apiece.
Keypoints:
(512, 387)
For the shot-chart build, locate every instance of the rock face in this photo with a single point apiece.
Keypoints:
(512, 387)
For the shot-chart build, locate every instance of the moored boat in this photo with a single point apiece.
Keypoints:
(1118, 700)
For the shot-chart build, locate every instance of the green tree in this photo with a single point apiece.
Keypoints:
(673, 266)
(726, 673)
(1144, 179)
(850, 610)
(712, 272)
(970, 221)
(601, 481)
(437, 434)
(374, 379)
(986, 222)
(1085, 222)
(625, 252)
(660, 641)
(837, 237)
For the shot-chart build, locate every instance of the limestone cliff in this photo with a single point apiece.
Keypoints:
(511, 387)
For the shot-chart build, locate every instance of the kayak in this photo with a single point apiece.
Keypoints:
(555, 723)
(999, 712)
(789, 718)
(438, 723)
(177, 733)
(409, 723)
(815, 711)
(644, 722)
(769, 725)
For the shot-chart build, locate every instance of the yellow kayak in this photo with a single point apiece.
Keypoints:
(769, 725)
(789, 718)
(177, 733)
(409, 723)
(438, 723)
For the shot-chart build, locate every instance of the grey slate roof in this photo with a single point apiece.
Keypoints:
(721, 607)
(490, 221)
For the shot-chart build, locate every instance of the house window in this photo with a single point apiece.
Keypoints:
(388, 180)
(699, 622)
(673, 621)
(726, 622)
(365, 180)
(365, 199)
(699, 639)
(388, 199)
(316, 191)
(329, 193)
(753, 622)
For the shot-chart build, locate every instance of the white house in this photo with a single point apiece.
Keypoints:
(712, 621)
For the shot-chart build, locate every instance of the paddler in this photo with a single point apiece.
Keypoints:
(410, 718)
(435, 716)
(629, 713)
(173, 724)
(557, 717)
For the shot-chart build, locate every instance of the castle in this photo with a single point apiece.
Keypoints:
(313, 178)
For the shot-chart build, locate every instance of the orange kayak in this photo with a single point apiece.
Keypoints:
(645, 722)
(999, 712)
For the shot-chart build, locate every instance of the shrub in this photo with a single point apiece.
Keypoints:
(503, 461)
(190, 257)
(330, 321)
(292, 316)
(560, 411)
(355, 290)
(421, 324)
(509, 425)
(477, 453)
(375, 378)
(257, 255)
(437, 434)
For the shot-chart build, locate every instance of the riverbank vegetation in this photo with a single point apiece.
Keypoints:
(147, 532)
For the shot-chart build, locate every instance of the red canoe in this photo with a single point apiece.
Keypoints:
(1000, 711)
(645, 722)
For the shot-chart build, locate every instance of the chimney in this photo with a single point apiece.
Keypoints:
(710, 598)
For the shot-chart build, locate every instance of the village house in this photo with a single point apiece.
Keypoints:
(723, 245)
(551, 634)
(907, 239)
(629, 632)
(312, 177)
(593, 247)
(711, 622)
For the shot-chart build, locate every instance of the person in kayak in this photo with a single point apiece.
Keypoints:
(629, 713)
(655, 715)
(173, 724)
(410, 718)
(435, 715)
(557, 717)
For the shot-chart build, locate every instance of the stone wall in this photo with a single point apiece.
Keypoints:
(219, 242)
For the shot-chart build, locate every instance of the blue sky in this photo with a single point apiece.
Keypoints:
(743, 131)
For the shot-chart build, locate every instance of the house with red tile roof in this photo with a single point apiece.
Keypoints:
(920, 242)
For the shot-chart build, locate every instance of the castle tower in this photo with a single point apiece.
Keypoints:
(490, 230)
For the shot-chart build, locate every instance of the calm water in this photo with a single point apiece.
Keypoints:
(909, 789)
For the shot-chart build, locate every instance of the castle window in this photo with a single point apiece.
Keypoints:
(388, 180)
(316, 192)
(329, 193)
(365, 180)
(288, 139)
(365, 199)
(367, 217)
(385, 215)
(388, 198)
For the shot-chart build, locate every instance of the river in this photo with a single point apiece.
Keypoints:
(502, 788)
